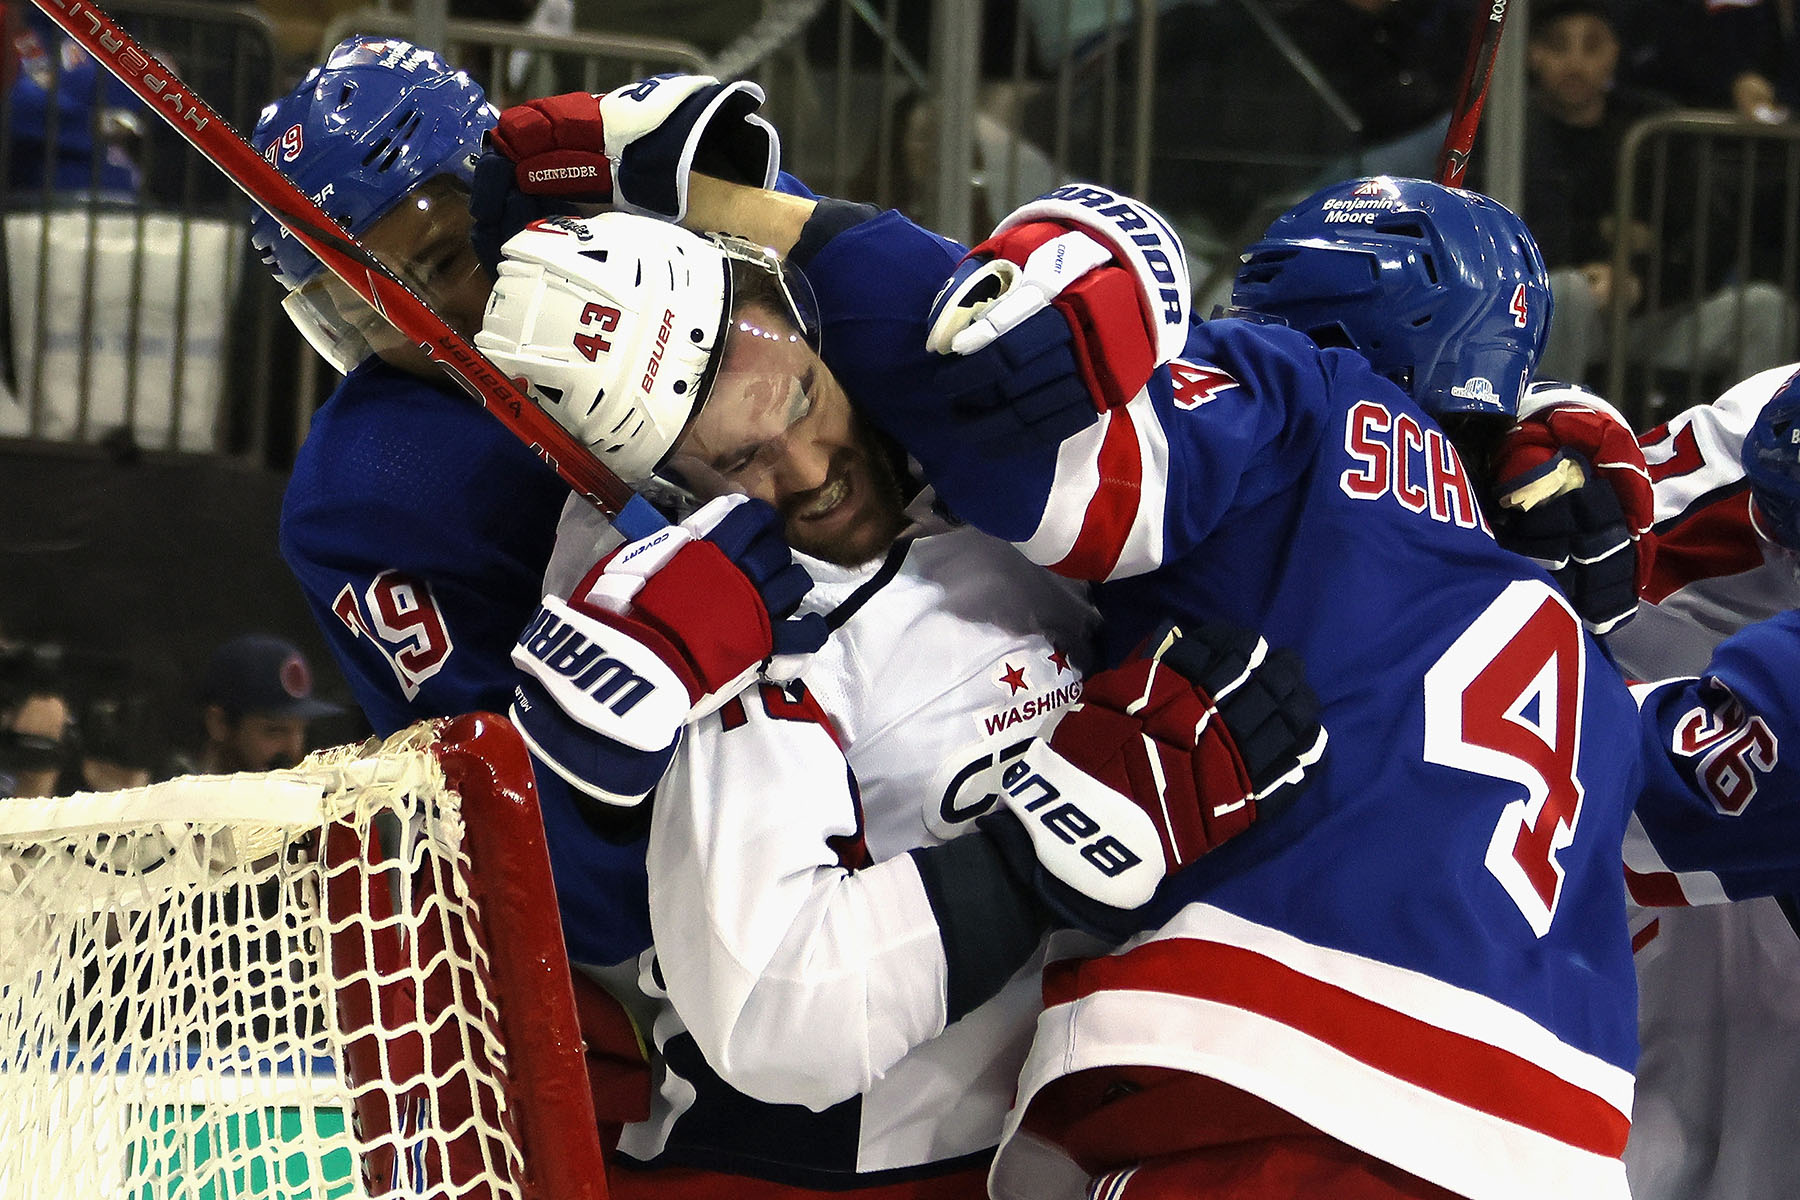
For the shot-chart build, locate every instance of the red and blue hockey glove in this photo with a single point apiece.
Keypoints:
(660, 632)
(1165, 758)
(634, 148)
(1574, 495)
(1064, 312)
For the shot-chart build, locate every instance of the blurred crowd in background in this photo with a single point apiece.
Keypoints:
(151, 396)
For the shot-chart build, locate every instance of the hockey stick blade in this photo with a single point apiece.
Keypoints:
(1471, 95)
(349, 260)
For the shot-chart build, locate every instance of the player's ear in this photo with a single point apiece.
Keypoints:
(217, 723)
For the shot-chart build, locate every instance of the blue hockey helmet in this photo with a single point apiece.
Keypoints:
(1443, 291)
(1772, 464)
(379, 117)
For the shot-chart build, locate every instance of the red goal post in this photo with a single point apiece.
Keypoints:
(202, 980)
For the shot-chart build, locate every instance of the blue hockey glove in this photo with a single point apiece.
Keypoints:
(500, 209)
(1583, 538)
(1023, 388)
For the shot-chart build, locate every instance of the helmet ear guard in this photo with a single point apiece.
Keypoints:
(1443, 290)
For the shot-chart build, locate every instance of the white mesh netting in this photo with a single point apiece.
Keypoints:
(200, 982)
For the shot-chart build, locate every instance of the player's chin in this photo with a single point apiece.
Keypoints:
(849, 521)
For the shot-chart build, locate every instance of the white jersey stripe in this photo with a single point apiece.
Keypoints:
(1426, 1114)
(1104, 517)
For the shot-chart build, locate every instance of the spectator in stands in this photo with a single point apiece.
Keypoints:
(118, 744)
(75, 126)
(1754, 45)
(36, 734)
(258, 700)
(1396, 64)
(1578, 117)
(36, 718)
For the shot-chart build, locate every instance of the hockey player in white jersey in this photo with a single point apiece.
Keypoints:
(1716, 1115)
(847, 913)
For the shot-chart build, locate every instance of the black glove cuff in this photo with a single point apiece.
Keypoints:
(988, 919)
(731, 147)
(829, 218)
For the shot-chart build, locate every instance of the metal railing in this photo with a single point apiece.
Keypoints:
(128, 311)
(146, 313)
(1708, 208)
(513, 63)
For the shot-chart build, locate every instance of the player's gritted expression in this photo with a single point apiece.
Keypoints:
(778, 426)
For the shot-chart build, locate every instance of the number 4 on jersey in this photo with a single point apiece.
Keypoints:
(399, 615)
(1505, 701)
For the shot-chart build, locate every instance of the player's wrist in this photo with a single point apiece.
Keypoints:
(989, 917)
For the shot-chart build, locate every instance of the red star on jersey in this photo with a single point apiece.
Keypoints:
(1059, 660)
(1014, 677)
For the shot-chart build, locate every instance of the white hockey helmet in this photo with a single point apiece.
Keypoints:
(613, 321)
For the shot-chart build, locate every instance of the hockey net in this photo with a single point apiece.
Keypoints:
(343, 980)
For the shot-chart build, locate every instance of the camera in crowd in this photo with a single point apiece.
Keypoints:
(62, 708)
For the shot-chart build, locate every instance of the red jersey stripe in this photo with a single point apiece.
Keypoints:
(1106, 524)
(1472, 1073)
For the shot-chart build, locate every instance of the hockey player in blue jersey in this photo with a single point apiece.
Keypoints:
(868, 271)
(1321, 1002)
(1327, 996)
(847, 515)
(417, 525)
(417, 575)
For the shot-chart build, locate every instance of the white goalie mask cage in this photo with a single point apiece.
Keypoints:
(616, 325)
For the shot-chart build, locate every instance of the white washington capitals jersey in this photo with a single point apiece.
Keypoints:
(1713, 573)
(818, 990)
(1717, 1111)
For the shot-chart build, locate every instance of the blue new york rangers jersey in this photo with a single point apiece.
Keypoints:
(1433, 939)
(418, 527)
(1427, 957)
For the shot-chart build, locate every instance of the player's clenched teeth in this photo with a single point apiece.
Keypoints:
(834, 491)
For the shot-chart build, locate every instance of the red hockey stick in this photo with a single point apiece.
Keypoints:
(1471, 94)
(226, 149)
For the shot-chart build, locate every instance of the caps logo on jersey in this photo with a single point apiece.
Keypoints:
(968, 785)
